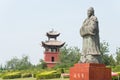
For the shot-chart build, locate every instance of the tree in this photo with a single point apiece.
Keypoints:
(1, 68)
(112, 60)
(41, 65)
(25, 63)
(118, 56)
(68, 56)
(18, 64)
(13, 63)
(106, 58)
(104, 50)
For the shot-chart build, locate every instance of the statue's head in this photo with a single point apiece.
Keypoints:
(90, 11)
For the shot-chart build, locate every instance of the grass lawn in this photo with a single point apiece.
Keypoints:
(32, 79)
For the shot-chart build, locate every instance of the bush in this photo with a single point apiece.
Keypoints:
(116, 68)
(37, 72)
(48, 75)
(118, 73)
(12, 75)
(1, 75)
(114, 78)
(24, 75)
(62, 70)
(34, 75)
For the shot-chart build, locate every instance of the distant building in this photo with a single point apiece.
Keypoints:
(52, 46)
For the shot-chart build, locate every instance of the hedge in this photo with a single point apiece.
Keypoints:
(118, 73)
(116, 68)
(25, 75)
(1, 74)
(11, 75)
(48, 75)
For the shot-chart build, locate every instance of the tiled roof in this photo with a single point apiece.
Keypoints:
(53, 43)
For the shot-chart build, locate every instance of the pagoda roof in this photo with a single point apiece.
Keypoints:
(53, 43)
(52, 34)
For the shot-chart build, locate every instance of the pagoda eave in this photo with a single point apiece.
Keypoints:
(52, 35)
(52, 45)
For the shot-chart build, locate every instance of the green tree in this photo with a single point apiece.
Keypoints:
(68, 56)
(107, 59)
(118, 56)
(41, 65)
(18, 64)
(1, 68)
(112, 60)
(104, 49)
(13, 63)
(25, 63)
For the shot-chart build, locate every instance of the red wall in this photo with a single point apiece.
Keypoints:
(48, 55)
(47, 58)
(50, 65)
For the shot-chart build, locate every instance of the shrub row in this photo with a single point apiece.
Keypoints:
(116, 68)
(1, 75)
(48, 75)
(13, 75)
(26, 75)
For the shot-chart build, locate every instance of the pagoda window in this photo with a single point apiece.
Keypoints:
(52, 59)
(53, 50)
(57, 50)
(49, 50)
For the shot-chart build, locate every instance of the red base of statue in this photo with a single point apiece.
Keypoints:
(90, 71)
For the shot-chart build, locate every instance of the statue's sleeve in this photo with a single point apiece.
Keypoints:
(82, 29)
(89, 27)
(94, 25)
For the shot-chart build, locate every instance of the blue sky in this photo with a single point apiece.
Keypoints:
(24, 23)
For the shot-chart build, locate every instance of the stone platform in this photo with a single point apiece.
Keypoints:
(90, 71)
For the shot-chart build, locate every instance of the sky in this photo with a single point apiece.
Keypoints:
(24, 23)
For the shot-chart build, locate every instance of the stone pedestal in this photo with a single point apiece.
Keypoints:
(90, 71)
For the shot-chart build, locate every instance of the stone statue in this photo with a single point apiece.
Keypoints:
(90, 34)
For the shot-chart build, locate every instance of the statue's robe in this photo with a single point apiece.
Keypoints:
(91, 45)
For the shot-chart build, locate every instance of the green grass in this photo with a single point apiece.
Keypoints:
(32, 79)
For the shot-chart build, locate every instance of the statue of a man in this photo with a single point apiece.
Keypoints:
(91, 45)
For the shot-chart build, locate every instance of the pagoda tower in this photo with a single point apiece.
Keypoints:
(52, 46)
